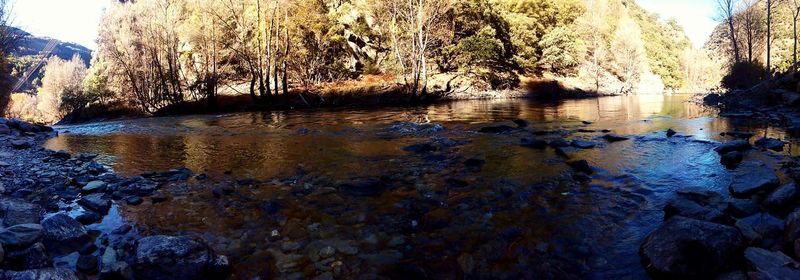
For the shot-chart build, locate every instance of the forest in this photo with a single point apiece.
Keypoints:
(155, 55)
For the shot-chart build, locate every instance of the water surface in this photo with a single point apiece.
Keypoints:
(520, 215)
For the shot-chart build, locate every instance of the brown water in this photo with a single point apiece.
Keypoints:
(520, 215)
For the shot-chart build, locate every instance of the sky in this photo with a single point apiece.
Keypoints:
(74, 21)
(696, 16)
(78, 20)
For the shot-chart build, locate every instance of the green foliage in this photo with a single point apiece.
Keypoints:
(664, 45)
(562, 51)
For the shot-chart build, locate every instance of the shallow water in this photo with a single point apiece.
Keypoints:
(518, 216)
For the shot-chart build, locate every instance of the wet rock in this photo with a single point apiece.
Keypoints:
(731, 159)
(521, 123)
(382, 258)
(158, 197)
(684, 247)
(123, 229)
(614, 138)
(39, 274)
(14, 212)
(174, 257)
(742, 207)
(559, 143)
(781, 197)
(88, 218)
(363, 187)
(20, 236)
(415, 128)
(533, 143)
(20, 144)
(61, 230)
(134, 200)
(33, 257)
(4, 129)
(94, 186)
(770, 144)
(792, 226)
(96, 202)
(88, 249)
(751, 178)
(64, 155)
(87, 264)
(116, 271)
(682, 206)
(671, 132)
(771, 265)
(737, 134)
(737, 145)
(761, 229)
(496, 129)
(582, 144)
(421, 148)
(581, 166)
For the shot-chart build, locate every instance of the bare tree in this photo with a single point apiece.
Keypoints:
(414, 22)
(8, 41)
(769, 36)
(795, 16)
(727, 13)
(750, 17)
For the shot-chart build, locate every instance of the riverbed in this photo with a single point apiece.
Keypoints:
(464, 203)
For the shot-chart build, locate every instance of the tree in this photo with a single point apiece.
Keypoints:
(795, 16)
(629, 54)
(562, 51)
(8, 42)
(414, 25)
(726, 12)
(769, 37)
(751, 18)
(62, 88)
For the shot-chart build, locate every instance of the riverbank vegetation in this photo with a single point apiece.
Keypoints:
(157, 55)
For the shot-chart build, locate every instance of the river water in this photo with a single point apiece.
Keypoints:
(518, 215)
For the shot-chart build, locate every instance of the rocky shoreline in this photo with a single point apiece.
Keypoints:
(37, 189)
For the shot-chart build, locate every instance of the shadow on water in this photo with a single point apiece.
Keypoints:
(517, 216)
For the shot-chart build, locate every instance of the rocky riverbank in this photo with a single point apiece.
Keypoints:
(752, 232)
(48, 202)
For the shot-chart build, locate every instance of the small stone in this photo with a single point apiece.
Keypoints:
(582, 144)
(94, 186)
(671, 132)
(581, 166)
(158, 197)
(614, 138)
(134, 200)
(96, 202)
(327, 252)
(533, 143)
(20, 144)
(87, 264)
(731, 159)
(88, 218)
(737, 145)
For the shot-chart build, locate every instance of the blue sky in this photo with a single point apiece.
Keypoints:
(77, 20)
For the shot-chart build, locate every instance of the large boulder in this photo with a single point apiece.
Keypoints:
(63, 232)
(176, 257)
(751, 178)
(781, 197)
(684, 247)
(771, 265)
(39, 274)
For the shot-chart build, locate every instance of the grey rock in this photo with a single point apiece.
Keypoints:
(781, 197)
(582, 144)
(63, 231)
(96, 202)
(173, 257)
(614, 138)
(682, 206)
(751, 178)
(770, 143)
(15, 212)
(736, 145)
(94, 186)
(731, 159)
(684, 247)
(772, 265)
(533, 143)
(21, 144)
(20, 236)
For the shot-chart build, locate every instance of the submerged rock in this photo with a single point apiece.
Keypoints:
(363, 187)
(684, 247)
(533, 143)
(582, 144)
(671, 132)
(752, 178)
(175, 257)
(581, 166)
(496, 129)
(737, 145)
(614, 138)
(771, 265)
(771, 144)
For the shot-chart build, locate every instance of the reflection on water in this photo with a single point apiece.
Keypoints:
(516, 214)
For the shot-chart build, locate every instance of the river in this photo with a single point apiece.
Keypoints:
(512, 212)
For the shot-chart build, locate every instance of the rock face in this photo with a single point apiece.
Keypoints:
(683, 247)
(40, 274)
(169, 257)
(752, 178)
(771, 265)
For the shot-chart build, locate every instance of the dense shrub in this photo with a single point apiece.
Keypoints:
(744, 75)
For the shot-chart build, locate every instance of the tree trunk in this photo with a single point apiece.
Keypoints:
(769, 37)
(732, 30)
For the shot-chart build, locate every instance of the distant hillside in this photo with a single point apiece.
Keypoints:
(28, 54)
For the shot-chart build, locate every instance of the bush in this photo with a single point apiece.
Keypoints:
(744, 75)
